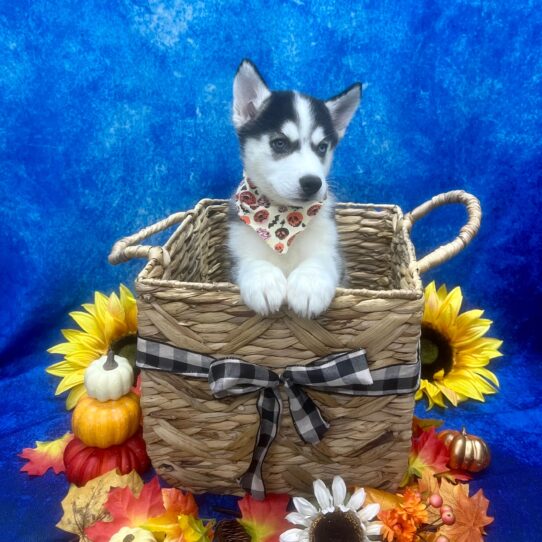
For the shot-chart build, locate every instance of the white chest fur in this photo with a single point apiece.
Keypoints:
(305, 277)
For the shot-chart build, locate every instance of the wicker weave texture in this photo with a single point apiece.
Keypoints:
(206, 444)
(185, 299)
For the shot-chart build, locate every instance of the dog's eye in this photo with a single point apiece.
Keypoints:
(280, 145)
(322, 148)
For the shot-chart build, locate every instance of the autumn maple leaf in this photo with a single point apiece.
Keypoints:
(456, 475)
(84, 506)
(470, 517)
(470, 512)
(46, 455)
(428, 453)
(385, 499)
(428, 485)
(419, 425)
(176, 503)
(264, 520)
(451, 493)
(128, 510)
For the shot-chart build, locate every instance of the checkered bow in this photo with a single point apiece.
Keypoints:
(344, 373)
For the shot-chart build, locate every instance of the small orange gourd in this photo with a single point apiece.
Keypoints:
(467, 452)
(106, 423)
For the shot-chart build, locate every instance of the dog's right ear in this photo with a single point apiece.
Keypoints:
(249, 93)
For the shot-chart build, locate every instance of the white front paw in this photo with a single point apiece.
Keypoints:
(310, 293)
(263, 287)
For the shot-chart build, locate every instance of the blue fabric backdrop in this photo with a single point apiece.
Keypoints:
(115, 114)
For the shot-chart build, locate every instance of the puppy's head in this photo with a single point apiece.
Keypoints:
(287, 138)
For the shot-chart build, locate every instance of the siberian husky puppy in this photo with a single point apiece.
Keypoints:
(282, 233)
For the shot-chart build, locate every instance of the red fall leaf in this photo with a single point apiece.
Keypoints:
(128, 510)
(428, 452)
(264, 520)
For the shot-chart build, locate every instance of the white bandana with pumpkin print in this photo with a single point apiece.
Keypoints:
(277, 225)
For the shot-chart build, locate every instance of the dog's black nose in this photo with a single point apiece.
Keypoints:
(310, 184)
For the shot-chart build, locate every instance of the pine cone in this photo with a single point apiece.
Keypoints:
(230, 531)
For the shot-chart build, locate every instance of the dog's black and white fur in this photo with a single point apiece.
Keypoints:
(287, 142)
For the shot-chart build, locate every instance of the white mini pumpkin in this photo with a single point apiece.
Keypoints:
(109, 377)
(129, 534)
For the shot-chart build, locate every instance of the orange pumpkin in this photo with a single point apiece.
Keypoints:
(106, 423)
(467, 452)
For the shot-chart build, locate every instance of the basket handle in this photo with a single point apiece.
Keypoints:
(467, 232)
(123, 250)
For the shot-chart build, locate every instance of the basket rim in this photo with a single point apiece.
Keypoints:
(228, 287)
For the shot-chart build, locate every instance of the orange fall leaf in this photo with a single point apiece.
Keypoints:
(46, 455)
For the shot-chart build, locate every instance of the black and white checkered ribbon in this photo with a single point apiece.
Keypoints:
(345, 373)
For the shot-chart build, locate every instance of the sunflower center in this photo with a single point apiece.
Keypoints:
(336, 527)
(435, 352)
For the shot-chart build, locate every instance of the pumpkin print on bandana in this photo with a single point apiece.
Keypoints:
(277, 225)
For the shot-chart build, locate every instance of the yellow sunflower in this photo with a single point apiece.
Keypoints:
(454, 351)
(110, 322)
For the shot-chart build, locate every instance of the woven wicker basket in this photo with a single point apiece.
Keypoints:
(185, 299)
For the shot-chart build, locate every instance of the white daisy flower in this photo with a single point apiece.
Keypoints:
(334, 520)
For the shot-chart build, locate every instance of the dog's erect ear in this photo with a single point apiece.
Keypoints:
(249, 92)
(343, 106)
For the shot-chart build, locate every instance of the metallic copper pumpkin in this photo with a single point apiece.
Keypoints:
(467, 452)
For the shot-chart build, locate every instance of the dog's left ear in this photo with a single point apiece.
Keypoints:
(343, 106)
(249, 93)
